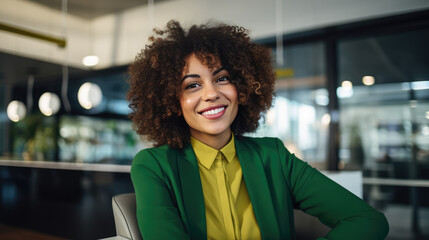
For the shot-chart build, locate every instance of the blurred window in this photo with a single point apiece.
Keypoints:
(98, 140)
(384, 124)
(299, 112)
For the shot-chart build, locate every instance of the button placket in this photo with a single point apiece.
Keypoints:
(231, 199)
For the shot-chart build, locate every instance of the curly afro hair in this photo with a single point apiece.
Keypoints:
(155, 78)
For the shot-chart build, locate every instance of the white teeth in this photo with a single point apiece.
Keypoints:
(213, 111)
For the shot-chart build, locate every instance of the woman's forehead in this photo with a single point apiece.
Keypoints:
(209, 60)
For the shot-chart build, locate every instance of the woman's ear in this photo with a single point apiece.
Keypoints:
(179, 113)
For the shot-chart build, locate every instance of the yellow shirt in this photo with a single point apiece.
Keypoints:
(229, 212)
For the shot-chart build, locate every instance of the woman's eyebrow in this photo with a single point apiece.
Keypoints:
(190, 75)
(198, 76)
(217, 71)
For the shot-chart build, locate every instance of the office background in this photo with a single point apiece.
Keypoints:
(352, 94)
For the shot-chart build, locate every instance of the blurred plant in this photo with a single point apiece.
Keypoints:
(35, 138)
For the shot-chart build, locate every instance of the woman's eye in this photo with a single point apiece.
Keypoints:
(223, 79)
(192, 85)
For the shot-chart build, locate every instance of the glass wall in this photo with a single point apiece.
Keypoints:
(101, 134)
(378, 73)
(86, 139)
(299, 113)
(3, 119)
(384, 124)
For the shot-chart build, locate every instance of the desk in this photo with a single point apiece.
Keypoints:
(68, 200)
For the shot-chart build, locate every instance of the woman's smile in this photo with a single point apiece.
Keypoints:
(213, 112)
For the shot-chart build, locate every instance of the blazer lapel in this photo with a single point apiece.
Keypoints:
(192, 193)
(258, 189)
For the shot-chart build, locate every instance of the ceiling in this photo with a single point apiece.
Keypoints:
(15, 69)
(90, 9)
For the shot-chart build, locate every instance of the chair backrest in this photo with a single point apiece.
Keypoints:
(308, 227)
(124, 211)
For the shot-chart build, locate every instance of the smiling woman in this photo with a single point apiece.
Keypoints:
(155, 78)
(194, 93)
(157, 73)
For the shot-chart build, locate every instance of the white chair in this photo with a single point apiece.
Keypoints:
(124, 212)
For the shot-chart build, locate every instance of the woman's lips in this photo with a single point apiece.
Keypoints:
(213, 113)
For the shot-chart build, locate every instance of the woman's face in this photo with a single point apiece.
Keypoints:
(208, 100)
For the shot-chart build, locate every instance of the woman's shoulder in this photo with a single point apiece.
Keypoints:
(159, 156)
(265, 146)
(152, 151)
(265, 142)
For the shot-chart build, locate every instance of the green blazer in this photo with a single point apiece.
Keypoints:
(170, 201)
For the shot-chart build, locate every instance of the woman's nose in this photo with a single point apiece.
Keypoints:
(210, 92)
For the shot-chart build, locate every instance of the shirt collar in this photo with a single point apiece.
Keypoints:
(206, 154)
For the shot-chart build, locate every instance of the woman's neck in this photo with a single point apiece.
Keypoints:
(215, 141)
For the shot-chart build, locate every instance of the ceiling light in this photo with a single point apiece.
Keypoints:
(347, 84)
(49, 103)
(326, 119)
(368, 80)
(321, 97)
(90, 61)
(427, 115)
(89, 95)
(16, 111)
(425, 130)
